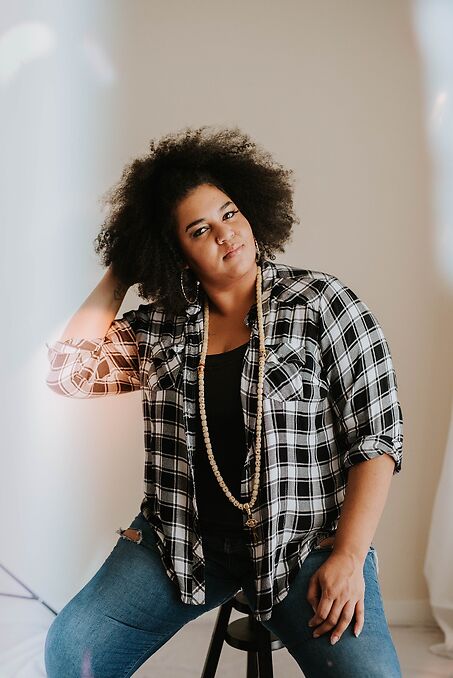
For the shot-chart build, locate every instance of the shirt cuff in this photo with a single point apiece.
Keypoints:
(74, 345)
(372, 446)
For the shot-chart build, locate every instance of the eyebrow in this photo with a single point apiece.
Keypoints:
(199, 221)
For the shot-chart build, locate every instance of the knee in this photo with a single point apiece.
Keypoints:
(53, 647)
(66, 652)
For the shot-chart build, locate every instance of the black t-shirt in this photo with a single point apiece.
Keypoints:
(227, 434)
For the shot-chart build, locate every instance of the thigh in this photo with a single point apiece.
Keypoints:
(372, 654)
(126, 612)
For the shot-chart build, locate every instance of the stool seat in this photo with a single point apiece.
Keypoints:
(245, 634)
(240, 602)
(242, 635)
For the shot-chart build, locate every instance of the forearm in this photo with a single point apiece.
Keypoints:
(366, 493)
(95, 315)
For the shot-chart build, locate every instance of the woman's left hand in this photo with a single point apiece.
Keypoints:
(336, 592)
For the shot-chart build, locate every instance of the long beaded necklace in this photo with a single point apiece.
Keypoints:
(247, 506)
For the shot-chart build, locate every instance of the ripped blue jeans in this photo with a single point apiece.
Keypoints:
(130, 608)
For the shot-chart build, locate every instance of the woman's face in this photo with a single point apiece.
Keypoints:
(210, 224)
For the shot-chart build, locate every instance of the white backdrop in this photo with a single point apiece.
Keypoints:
(334, 91)
(434, 24)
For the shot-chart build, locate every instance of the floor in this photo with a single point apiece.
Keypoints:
(24, 621)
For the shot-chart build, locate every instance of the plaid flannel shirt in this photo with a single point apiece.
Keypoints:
(330, 401)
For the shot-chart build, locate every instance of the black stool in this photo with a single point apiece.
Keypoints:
(244, 634)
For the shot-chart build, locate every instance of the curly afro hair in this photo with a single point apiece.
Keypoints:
(138, 236)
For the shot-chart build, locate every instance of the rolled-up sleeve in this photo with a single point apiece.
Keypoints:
(362, 380)
(86, 368)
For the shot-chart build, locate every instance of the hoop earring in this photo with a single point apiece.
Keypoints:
(190, 301)
(258, 252)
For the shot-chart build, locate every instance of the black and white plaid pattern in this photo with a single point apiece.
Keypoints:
(330, 401)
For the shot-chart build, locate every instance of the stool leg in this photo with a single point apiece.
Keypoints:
(217, 638)
(265, 669)
(252, 664)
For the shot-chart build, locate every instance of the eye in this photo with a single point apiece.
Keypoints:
(199, 230)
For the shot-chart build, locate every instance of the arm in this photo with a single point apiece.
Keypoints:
(366, 493)
(363, 393)
(97, 312)
(84, 367)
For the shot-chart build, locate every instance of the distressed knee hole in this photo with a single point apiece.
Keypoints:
(131, 534)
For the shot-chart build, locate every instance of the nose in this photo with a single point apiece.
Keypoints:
(224, 232)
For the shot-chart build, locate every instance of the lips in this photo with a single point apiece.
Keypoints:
(232, 250)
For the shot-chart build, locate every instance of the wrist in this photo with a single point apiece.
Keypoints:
(355, 557)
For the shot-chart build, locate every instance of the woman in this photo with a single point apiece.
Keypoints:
(265, 390)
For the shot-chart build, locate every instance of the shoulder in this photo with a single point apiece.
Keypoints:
(293, 283)
(146, 320)
(137, 316)
(154, 324)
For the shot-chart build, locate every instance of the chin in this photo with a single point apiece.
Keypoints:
(245, 261)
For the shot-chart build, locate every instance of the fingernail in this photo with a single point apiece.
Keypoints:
(311, 623)
(357, 633)
(333, 640)
(316, 634)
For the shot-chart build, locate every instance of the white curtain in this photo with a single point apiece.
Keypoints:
(439, 556)
(433, 22)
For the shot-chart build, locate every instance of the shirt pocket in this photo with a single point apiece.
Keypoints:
(166, 363)
(289, 374)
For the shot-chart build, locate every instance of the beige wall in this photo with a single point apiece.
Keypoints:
(333, 90)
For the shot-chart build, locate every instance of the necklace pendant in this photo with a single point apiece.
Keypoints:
(251, 522)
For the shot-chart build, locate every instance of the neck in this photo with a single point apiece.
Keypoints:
(235, 299)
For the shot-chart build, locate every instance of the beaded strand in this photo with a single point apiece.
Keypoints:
(247, 506)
